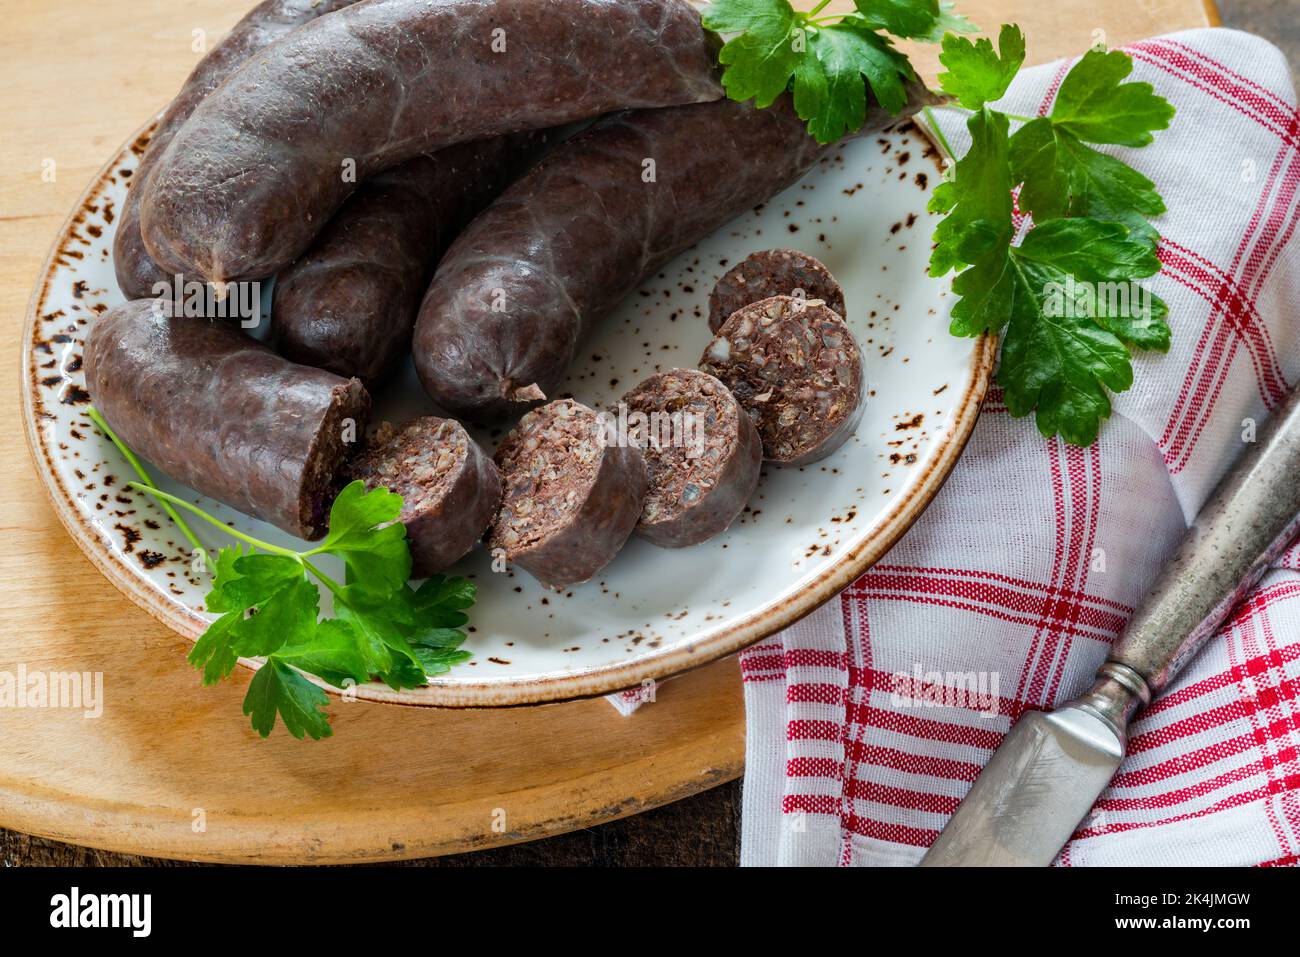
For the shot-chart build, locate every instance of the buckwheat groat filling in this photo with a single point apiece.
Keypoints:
(702, 451)
(449, 486)
(571, 497)
(795, 367)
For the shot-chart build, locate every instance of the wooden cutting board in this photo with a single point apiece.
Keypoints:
(172, 769)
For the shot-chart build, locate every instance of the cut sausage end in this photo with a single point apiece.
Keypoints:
(344, 421)
(527, 393)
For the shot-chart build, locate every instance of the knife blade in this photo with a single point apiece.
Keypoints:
(1049, 770)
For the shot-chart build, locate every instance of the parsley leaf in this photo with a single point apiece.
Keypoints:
(383, 621)
(919, 20)
(280, 603)
(437, 661)
(947, 22)
(828, 63)
(268, 607)
(828, 86)
(1095, 106)
(1096, 261)
(902, 18)
(1063, 346)
(333, 653)
(364, 532)
(1063, 176)
(925, 20)
(976, 73)
(278, 689)
(438, 605)
(1057, 367)
(761, 60)
(212, 653)
(977, 200)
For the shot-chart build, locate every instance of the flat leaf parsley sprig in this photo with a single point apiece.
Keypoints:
(825, 60)
(269, 607)
(1067, 295)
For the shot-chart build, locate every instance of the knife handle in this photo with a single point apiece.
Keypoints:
(1251, 517)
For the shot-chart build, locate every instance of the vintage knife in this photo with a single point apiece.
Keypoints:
(1052, 766)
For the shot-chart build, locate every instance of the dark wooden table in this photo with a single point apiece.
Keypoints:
(700, 831)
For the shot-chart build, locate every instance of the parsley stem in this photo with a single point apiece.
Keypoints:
(148, 483)
(232, 532)
(938, 133)
(943, 140)
(328, 582)
(1011, 116)
(236, 533)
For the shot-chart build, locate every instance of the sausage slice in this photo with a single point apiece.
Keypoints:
(703, 453)
(220, 412)
(796, 368)
(572, 496)
(449, 486)
(773, 272)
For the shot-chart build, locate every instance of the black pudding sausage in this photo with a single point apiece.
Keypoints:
(572, 497)
(570, 239)
(450, 487)
(349, 304)
(260, 166)
(797, 370)
(773, 272)
(137, 273)
(220, 412)
(703, 453)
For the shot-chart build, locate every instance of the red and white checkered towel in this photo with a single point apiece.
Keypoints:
(1029, 562)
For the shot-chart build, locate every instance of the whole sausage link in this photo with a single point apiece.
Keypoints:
(263, 162)
(137, 273)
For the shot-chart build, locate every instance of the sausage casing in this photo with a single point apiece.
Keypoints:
(260, 165)
(349, 303)
(222, 413)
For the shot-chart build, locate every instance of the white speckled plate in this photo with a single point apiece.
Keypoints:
(807, 534)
